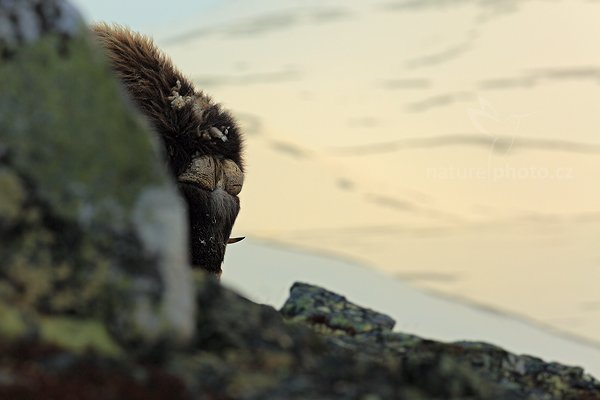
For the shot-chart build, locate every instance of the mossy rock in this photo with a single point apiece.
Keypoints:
(90, 222)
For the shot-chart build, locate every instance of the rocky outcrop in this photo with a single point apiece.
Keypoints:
(90, 224)
(97, 303)
(242, 350)
(437, 366)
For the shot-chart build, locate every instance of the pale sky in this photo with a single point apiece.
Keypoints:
(453, 147)
(143, 15)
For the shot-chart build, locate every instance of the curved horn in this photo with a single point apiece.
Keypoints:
(201, 171)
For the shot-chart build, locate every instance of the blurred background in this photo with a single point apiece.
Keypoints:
(436, 159)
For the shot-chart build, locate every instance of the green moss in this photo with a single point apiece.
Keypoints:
(339, 320)
(64, 96)
(12, 323)
(79, 335)
(69, 333)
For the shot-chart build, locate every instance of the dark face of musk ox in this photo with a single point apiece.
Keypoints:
(201, 140)
(210, 187)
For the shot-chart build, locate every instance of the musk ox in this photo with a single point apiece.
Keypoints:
(202, 142)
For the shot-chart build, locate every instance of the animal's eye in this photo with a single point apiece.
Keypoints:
(210, 174)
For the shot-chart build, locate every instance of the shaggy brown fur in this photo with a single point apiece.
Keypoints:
(187, 129)
(149, 76)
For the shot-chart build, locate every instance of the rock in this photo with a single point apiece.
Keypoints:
(481, 369)
(91, 225)
(331, 311)
(244, 350)
(247, 351)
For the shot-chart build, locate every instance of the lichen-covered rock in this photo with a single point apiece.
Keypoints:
(243, 350)
(328, 310)
(90, 223)
(247, 351)
(441, 366)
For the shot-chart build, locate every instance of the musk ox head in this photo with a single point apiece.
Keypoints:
(201, 140)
